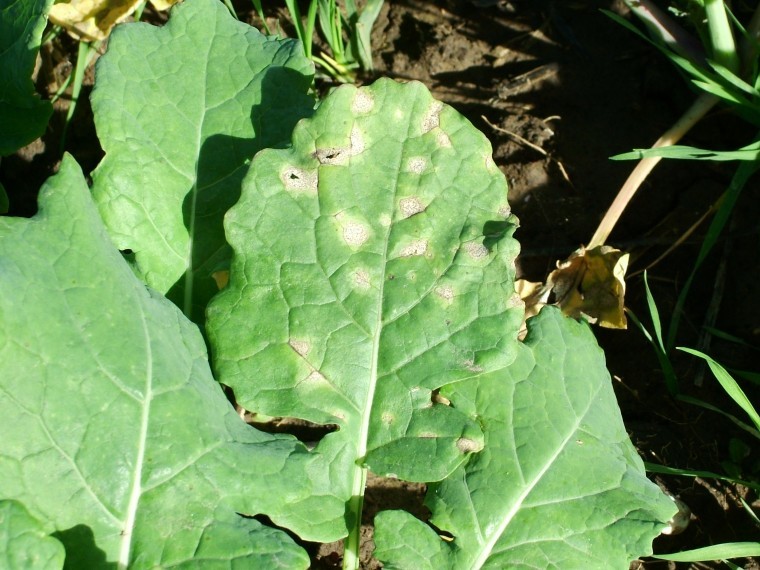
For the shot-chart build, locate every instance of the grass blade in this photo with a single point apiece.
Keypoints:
(716, 552)
(729, 385)
(364, 26)
(696, 402)
(84, 57)
(260, 12)
(739, 180)
(664, 470)
(750, 152)
(671, 381)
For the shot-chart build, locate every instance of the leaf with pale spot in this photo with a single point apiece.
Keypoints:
(558, 485)
(373, 264)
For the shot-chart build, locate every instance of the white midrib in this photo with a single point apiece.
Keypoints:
(367, 412)
(130, 515)
(485, 552)
(356, 502)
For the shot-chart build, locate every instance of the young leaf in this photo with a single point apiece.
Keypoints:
(115, 433)
(180, 111)
(373, 264)
(23, 542)
(558, 484)
(23, 115)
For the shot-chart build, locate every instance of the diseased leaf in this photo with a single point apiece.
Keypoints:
(23, 115)
(115, 434)
(373, 264)
(91, 20)
(589, 284)
(558, 485)
(180, 111)
(23, 542)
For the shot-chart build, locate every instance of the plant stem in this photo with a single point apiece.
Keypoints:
(721, 38)
(667, 31)
(698, 109)
(351, 558)
(84, 57)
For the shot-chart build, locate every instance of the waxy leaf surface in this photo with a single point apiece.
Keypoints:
(23, 541)
(558, 485)
(180, 111)
(115, 433)
(23, 115)
(373, 264)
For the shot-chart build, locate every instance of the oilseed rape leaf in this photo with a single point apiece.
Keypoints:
(558, 485)
(24, 543)
(117, 437)
(373, 264)
(180, 111)
(23, 115)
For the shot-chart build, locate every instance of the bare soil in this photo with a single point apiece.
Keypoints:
(558, 88)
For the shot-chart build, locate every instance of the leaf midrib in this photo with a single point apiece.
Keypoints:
(130, 516)
(487, 549)
(360, 472)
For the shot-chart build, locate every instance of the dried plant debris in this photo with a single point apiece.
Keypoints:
(92, 20)
(590, 284)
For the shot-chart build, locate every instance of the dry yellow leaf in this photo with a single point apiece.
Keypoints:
(221, 278)
(92, 20)
(589, 283)
(162, 5)
(535, 296)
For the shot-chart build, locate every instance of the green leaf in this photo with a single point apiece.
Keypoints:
(715, 552)
(558, 485)
(373, 264)
(23, 542)
(750, 152)
(730, 385)
(23, 115)
(115, 434)
(180, 111)
(655, 468)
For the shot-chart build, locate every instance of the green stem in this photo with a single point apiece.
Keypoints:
(139, 10)
(699, 109)
(722, 39)
(311, 20)
(351, 558)
(84, 57)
